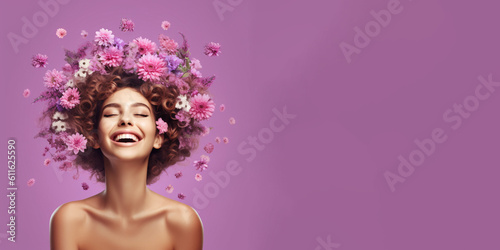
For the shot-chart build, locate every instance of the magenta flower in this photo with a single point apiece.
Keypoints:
(161, 126)
(181, 196)
(232, 121)
(46, 162)
(76, 142)
(198, 177)
(31, 182)
(70, 98)
(150, 67)
(53, 78)
(126, 25)
(225, 140)
(165, 25)
(26, 93)
(217, 139)
(104, 37)
(112, 57)
(222, 107)
(212, 49)
(61, 32)
(39, 61)
(202, 107)
(85, 186)
(84, 34)
(145, 46)
(167, 44)
(169, 189)
(178, 175)
(202, 164)
(209, 148)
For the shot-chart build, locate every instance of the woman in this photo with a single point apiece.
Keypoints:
(125, 115)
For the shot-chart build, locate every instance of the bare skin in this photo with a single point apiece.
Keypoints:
(126, 215)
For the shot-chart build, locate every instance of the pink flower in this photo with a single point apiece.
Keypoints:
(84, 33)
(169, 189)
(202, 107)
(39, 61)
(232, 121)
(225, 140)
(54, 78)
(126, 25)
(76, 142)
(222, 107)
(181, 196)
(145, 46)
(85, 186)
(161, 126)
(112, 57)
(165, 25)
(212, 49)
(104, 37)
(209, 148)
(202, 164)
(198, 177)
(217, 139)
(26, 92)
(150, 67)
(178, 175)
(31, 182)
(169, 45)
(70, 98)
(46, 162)
(195, 63)
(206, 131)
(61, 32)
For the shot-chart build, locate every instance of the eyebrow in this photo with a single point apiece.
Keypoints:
(116, 105)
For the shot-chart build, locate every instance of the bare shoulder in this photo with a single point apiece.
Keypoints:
(68, 212)
(65, 224)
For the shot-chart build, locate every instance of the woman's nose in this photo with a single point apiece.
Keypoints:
(126, 120)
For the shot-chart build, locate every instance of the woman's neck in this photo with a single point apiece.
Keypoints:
(126, 192)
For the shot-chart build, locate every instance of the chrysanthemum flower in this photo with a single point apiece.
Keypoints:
(167, 44)
(70, 98)
(169, 189)
(212, 49)
(39, 61)
(53, 78)
(209, 148)
(202, 107)
(111, 57)
(31, 182)
(76, 142)
(145, 46)
(26, 93)
(165, 25)
(162, 126)
(61, 32)
(195, 63)
(104, 37)
(202, 164)
(150, 67)
(126, 25)
(198, 177)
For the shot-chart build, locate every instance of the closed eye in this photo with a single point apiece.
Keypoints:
(109, 115)
(142, 115)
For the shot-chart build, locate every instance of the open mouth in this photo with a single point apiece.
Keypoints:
(126, 138)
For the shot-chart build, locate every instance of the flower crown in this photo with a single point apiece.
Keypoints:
(166, 63)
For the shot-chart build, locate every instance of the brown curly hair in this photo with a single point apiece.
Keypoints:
(86, 116)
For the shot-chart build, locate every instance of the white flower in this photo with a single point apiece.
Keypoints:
(84, 63)
(59, 116)
(59, 126)
(82, 73)
(182, 103)
(70, 84)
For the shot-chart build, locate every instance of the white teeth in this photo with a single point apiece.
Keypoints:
(126, 136)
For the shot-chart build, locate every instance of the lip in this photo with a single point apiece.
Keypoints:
(125, 144)
(112, 137)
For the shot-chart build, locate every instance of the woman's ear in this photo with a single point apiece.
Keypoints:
(158, 141)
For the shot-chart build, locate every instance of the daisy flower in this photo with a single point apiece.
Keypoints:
(169, 45)
(145, 46)
(169, 189)
(39, 61)
(209, 148)
(182, 103)
(26, 93)
(126, 25)
(31, 182)
(70, 98)
(111, 57)
(84, 34)
(198, 177)
(212, 49)
(76, 142)
(53, 78)
(202, 107)
(232, 121)
(161, 126)
(84, 63)
(165, 25)
(61, 32)
(104, 37)
(150, 67)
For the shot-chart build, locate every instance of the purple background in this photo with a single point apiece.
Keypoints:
(322, 176)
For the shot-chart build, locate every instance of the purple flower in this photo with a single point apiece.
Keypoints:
(172, 62)
(39, 61)
(181, 196)
(85, 186)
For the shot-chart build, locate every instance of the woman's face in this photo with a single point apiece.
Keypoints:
(127, 126)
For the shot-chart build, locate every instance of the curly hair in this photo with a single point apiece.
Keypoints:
(95, 89)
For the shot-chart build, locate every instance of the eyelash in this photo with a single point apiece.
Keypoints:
(135, 114)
